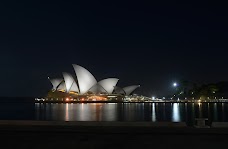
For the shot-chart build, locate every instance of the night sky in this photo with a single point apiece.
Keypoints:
(151, 44)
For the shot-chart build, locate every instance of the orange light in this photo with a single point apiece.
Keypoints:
(67, 99)
(97, 98)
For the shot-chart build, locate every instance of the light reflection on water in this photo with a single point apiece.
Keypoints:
(174, 112)
(200, 110)
(215, 111)
(153, 113)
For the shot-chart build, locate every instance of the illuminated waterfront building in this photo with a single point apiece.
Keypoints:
(86, 87)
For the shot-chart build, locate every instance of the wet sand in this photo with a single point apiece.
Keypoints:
(108, 135)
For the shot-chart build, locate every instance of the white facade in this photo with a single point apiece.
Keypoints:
(108, 84)
(85, 79)
(55, 83)
(69, 81)
(119, 90)
(129, 89)
(87, 82)
(62, 86)
(97, 88)
(74, 87)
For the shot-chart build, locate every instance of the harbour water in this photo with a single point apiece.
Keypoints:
(154, 112)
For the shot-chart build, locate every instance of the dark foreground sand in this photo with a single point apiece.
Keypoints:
(108, 135)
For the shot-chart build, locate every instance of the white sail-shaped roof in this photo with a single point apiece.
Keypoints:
(62, 86)
(69, 80)
(97, 88)
(129, 89)
(74, 87)
(108, 84)
(55, 83)
(119, 90)
(85, 79)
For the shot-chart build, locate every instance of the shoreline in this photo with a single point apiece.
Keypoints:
(91, 123)
(91, 127)
(52, 134)
(144, 124)
(127, 102)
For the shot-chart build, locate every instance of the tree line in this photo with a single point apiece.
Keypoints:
(190, 90)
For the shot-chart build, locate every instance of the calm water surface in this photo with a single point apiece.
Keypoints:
(174, 112)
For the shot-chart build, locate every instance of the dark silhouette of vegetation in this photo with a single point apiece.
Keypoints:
(189, 90)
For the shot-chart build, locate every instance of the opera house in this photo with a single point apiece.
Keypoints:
(84, 87)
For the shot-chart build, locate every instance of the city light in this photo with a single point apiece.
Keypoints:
(175, 84)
